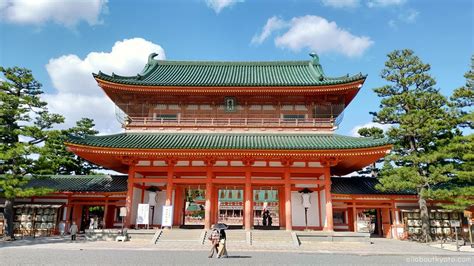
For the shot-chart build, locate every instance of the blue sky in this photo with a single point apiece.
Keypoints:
(64, 42)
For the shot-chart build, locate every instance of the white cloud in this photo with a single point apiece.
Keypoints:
(341, 3)
(316, 34)
(385, 3)
(68, 13)
(409, 16)
(273, 24)
(354, 130)
(219, 5)
(77, 93)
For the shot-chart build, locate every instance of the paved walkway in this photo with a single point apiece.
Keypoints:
(378, 247)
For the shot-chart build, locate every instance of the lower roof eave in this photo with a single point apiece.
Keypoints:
(388, 195)
(342, 161)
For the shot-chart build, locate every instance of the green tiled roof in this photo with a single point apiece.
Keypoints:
(361, 185)
(115, 183)
(231, 74)
(81, 183)
(224, 141)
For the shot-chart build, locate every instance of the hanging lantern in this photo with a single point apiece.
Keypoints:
(230, 194)
(239, 195)
(265, 195)
(257, 195)
(222, 194)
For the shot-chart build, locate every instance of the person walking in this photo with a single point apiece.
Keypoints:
(214, 238)
(91, 224)
(62, 228)
(222, 245)
(73, 230)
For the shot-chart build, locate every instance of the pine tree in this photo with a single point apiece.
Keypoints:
(458, 191)
(376, 133)
(56, 159)
(25, 123)
(420, 120)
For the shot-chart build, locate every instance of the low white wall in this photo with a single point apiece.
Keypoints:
(297, 210)
(137, 195)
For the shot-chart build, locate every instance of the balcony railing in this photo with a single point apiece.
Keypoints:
(230, 122)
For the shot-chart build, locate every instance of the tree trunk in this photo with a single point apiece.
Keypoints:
(425, 219)
(9, 232)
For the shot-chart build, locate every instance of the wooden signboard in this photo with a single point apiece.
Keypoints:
(167, 216)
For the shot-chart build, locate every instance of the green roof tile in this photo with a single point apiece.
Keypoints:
(361, 185)
(81, 183)
(231, 74)
(227, 141)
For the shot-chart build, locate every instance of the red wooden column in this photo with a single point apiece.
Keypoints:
(327, 191)
(68, 208)
(379, 222)
(386, 226)
(209, 193)
(178, 206)
(169, 183)
(129, 199)
(288, 221)
(248, 194)
(354, 217)
(106, 210)
(281, 203)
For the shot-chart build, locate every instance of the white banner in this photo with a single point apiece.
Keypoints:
(143, 214)
(167, 216)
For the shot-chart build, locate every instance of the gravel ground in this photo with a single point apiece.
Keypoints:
(41, 256)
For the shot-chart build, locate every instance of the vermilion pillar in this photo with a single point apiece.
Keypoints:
(288, 222)
(248, 195)
(207, 211)
(354, 217)
(208, 207)
(106, 211)
(386, 226)
(169, 185)
(129, 199)
(327, 191)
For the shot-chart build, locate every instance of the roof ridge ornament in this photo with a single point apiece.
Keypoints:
(317, 65)
(151, 58)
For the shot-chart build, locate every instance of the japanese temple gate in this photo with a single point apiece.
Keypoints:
(241, 126)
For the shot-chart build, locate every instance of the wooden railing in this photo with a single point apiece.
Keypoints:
(228, 122)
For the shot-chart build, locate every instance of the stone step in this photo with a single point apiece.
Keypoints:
(239, 236)
(141, 234)
(180, 235)
(280, 237)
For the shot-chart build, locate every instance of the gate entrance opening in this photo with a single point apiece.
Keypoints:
(266, 208)
(231, 206)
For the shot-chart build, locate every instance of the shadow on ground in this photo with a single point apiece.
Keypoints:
(31, 241)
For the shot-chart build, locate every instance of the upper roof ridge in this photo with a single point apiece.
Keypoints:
(158, 72)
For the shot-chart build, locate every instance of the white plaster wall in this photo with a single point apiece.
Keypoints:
(323, 208)
(297, 210)
(137, 194)
(159, 205)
